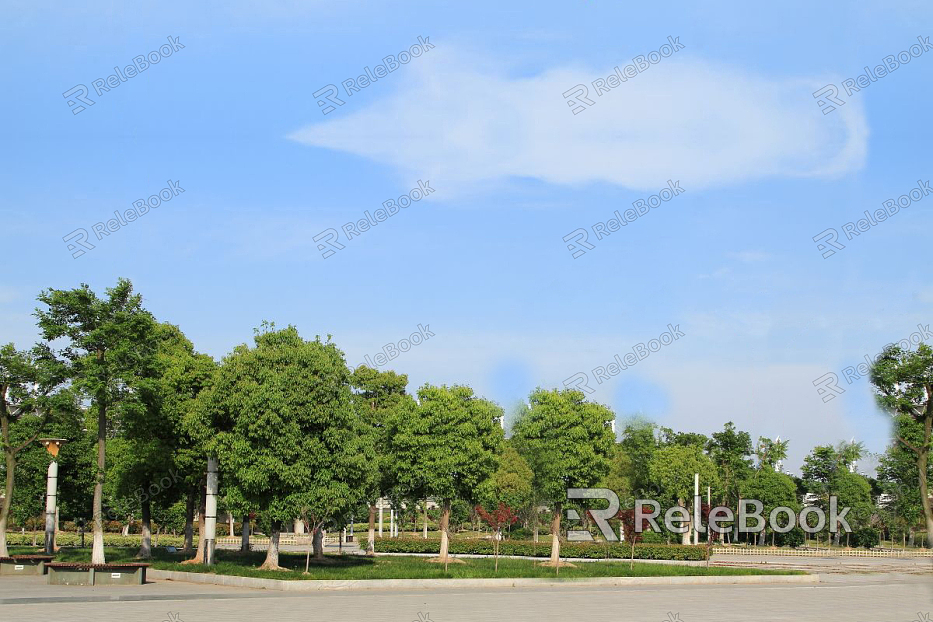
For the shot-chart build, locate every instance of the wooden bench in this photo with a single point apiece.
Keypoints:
(24, 564)
(81, 573)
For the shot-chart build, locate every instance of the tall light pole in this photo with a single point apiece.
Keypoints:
(696, 509)
(52, 445)
(210, 512)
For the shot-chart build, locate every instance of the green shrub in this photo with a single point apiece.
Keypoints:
(585, 550)
(110, 526)
(866, 537)
(73, 539)
(651, 537)
(793, 538)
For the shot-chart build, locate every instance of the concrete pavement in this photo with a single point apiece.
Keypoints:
(843, 598)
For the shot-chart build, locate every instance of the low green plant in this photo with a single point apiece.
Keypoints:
(525, 548)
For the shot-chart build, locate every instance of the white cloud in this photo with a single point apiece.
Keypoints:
(460, 121)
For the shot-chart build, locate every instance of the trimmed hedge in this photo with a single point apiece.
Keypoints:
(73, 539)
(524, 548)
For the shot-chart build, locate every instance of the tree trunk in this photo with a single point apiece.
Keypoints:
(685, 537)
(202, 529)
(272, 555)
(318, 541)
(371, 537)
(8, 498)
(189, 522)
(425, 536)
(145, 545)
(97, 552)
(445, 522)
(244, 538)
(922, 460)
(555, 536)
(230, 522)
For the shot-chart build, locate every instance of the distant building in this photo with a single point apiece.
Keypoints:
(811, 498)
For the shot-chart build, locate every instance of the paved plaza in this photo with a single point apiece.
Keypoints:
(892, 597)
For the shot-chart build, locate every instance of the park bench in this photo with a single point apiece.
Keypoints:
(24, 564)
(81, 573)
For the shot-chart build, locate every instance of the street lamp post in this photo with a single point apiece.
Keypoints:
(52, 445)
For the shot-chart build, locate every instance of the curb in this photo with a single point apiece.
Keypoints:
(573, 560)
(375, 584)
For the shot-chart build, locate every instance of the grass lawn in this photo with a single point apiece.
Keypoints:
(398, 567)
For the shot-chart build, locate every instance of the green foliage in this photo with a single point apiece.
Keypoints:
(673, 467)
(68, 539)
(897, 475)
(730, 451)
(380, 399)
(510, 483)
(651, 537)
(793, 538)
(769, 452)
(866, 537)
(446, 448)
(903, 384)
(108, 346)
(584, 550)
(636, 448)
(853, 490)
(285, 430)
(773, 489)
(566, 441)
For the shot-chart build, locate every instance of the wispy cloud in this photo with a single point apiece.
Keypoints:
(460, 121)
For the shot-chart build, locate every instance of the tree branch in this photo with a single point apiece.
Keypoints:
(908, 445)
(45, 419)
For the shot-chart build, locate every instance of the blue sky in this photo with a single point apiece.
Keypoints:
(481, 117)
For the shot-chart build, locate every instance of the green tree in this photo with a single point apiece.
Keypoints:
(182, 376)
(285, 431)
(30, 392)
(567, 443)
(769, 453)
(379, 398)
(638, 441)
(773, 490)
(819, 469)
(107, 341)
(621, 472)
(683, 439)
(672, 468)
(897, 475)
(510, 484)
(853, 491)
(730, 451)
(903, 383)
(449, 446)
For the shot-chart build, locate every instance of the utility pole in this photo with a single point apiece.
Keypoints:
(696, 510)
(210, 512)
(52, 445)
